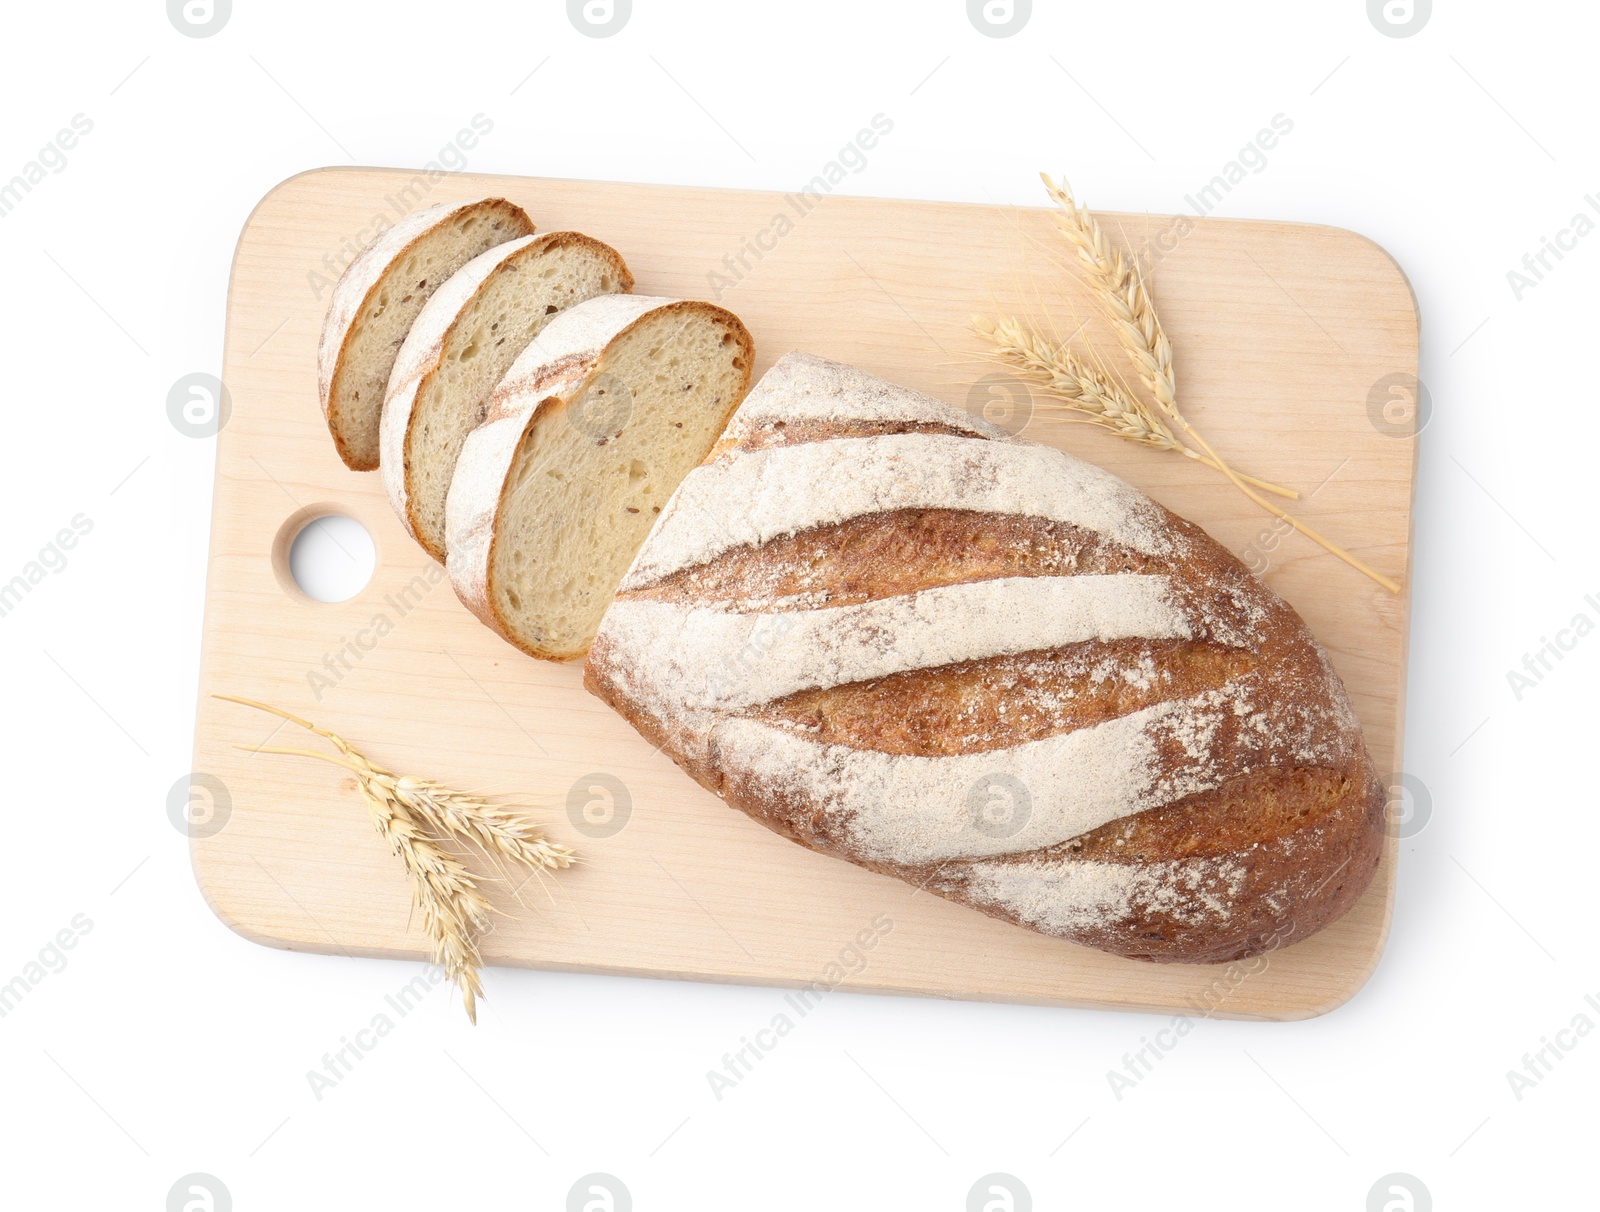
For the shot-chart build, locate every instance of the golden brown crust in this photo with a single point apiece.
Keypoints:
(1305, 843)
(884, 555)
(1278, 838)
(1011, 700)
(1298, 845)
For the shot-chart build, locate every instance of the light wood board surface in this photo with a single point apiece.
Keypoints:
(1280, 331)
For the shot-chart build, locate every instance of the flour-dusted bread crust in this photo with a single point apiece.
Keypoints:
(464, 340)
(585, 439)
(899, 636)
(377, 298)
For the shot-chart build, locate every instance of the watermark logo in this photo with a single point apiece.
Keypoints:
(999, 805)
(725, 678)
(1399, 18)
(1539, 263)
(1399, 1192)
(1002, 400)
(851, 960)
(51, 558)
(1541, 1062)
(1153, 247)
(739, 263)
(198, 405)
(1542, 661)
(1410, 806)
(199, 1193)
(1251, 160)
(599, 18)
(1136, 1066)
(406, 199)
(999, 1192)
(50, 160)
(199, 18)
(199, 805)
(1399, 406)
(602, 409)
(1257, 555)
(1216, 992)
(599, 805)
(50, 959)
(599, 1192)
(999, 18)
(338, 1064)
(1158, 1045)
(338, 663)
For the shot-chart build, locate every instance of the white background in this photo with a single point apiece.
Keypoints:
(168, 1045)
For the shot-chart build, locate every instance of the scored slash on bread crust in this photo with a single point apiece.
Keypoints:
(377, 298)
(463, 341)
(585, 439)
(897, 635)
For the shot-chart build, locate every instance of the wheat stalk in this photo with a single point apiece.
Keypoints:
(414, 815)
(1121, 290)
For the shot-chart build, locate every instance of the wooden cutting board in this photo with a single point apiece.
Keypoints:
(1289, 342)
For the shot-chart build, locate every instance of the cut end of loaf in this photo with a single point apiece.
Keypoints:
(595, 466)
(379, 297)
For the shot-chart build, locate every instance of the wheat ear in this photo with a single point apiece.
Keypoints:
(413, 815)
(1134, 318)
(497, 829)
(1085, 390)
(1122, 292)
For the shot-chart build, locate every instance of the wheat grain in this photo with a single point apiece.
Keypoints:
(414, 816)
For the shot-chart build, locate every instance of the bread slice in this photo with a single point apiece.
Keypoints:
(464, 340)
(377, 298)
(586, 438)
(898, 635)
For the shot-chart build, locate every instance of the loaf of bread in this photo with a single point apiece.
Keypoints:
(463, 341)
(586, 437)
(378, 297)
(897, 635)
